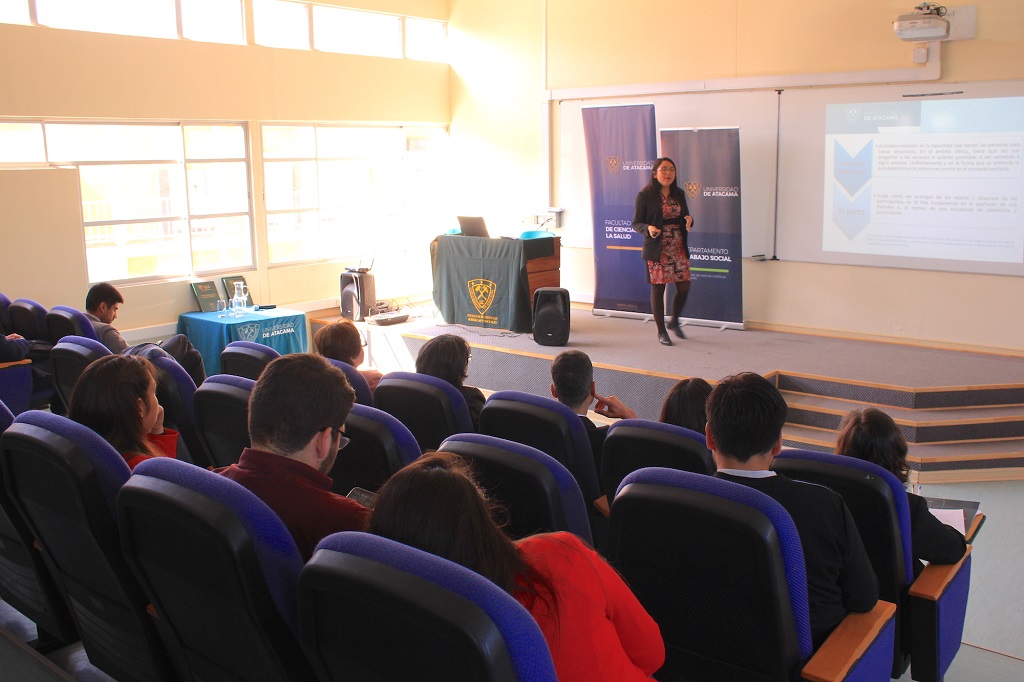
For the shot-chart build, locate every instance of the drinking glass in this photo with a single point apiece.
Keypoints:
(222, 307)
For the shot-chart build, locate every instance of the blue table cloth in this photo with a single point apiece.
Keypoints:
(283, 330)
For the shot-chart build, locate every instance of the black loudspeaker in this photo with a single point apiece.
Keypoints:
(551, 316)
(358, 295)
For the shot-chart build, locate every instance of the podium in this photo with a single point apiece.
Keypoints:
(490, 282)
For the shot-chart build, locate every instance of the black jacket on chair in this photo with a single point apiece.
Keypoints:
(648, 212)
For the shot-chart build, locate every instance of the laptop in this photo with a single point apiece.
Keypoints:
(473, 226)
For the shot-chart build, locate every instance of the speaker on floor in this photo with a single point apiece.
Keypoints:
(358, 295)
(551, 316)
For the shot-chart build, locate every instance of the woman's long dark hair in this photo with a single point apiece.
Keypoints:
(655, 186)
(873, 436)
(106, 399)
(436, 505)
(684, 404)
(445, 357)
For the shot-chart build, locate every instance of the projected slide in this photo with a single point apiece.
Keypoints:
(926, 179)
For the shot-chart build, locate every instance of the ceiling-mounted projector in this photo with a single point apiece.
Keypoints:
(926, 22)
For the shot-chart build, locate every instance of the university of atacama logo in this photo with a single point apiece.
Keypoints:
(692, 189)
(481, 292)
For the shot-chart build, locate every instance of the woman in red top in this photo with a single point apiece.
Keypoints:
(593, 624)
(115, 396)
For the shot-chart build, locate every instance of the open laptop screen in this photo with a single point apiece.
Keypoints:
(473, 226)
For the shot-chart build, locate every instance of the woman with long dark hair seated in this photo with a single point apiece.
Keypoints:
(115, 396)
(342, 341)
(447, 357)
(594, 625)
(873, 436)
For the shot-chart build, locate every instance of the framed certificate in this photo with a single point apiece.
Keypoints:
(206, 296)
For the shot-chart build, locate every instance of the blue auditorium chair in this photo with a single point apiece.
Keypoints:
(633, 444)
(221, 407)
(175, 391)
(246, 358)
(63, 479)
(62, 320)
(28, 318)
(374, 609)
(538, 493)
(379, 445)
(70, 357)
(720, 567)
(930, 615)
(220, 569)
(25, 582)
(356, 380)
(5, 315)
(16, 385)
(555, 430)
(431, 408)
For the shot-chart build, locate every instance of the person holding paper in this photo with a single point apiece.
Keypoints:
(872, 435)
(662, 217)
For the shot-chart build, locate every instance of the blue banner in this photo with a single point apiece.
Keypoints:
(621, 148)
(708, 163)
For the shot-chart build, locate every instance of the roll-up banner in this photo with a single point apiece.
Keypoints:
(708, 163)
(621, 148)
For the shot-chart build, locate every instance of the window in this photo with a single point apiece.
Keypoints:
(14, 12)
(333, 191)
(356, 32)
(22, 143)
(159, 200)
(281, 24)
(150, 18)
(213, 21)
(426, 40)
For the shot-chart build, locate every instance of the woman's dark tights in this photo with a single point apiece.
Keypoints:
(658, 303)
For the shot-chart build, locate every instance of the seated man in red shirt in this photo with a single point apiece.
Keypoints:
(297, 414)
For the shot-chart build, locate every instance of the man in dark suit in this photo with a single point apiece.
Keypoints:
(572, 384)
(744, 433)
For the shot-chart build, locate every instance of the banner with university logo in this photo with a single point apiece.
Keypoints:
(621, 147)
(708, 164)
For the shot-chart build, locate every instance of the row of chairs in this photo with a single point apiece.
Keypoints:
(33, 321)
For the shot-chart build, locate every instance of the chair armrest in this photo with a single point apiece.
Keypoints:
(601, 504)
(5, 365)
(935, 578)
(847, 644)
(976, 524)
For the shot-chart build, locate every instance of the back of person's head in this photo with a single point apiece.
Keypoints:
(104, 292)
(745, 414)
(873, 436)
(435, 504)
(107, 396)
(296, 396)
(339, 341)
(685, 404)
(572, 375)
(445, 357)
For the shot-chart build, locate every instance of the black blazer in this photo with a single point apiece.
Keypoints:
(648, 212)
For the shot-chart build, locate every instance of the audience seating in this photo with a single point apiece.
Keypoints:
(720, 567)
(175, 391)
(538, 494)
(28, 318)
(16, 385)
(63, 479)
(555, 430)
(356, 380)
(220, 569)
(431, 408)
(246, 358)
(929, 626)
(25, 582)
(63, 321)
(633, 444)
(221, 408)
(379, 445)
(5, 315)
(70, 357)
(374, 609)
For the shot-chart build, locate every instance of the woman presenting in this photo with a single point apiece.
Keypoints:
(661, 216)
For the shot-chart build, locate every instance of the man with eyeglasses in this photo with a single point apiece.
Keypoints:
(297, 414)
